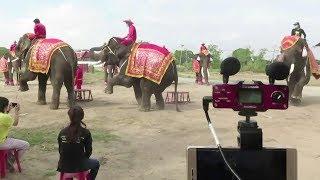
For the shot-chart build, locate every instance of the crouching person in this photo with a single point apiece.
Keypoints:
(6, 122)
(75, 146)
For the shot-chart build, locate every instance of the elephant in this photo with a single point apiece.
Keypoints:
(14, 65)
(62, 70)
(109, 69)
(116, 54)
(298, 78)
(204, 66)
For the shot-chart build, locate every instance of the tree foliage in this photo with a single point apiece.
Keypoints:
(249, 59)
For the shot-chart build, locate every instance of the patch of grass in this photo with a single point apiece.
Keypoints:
(97, 76)
(45, 138)
(50, 172)
(103, 136)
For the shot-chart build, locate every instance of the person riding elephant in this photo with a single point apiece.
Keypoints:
(298, 31)
(204, 57)
(57, 61)
(39, 29)
(129, 39)
(13, 46)
(143, 73)
(291, 54)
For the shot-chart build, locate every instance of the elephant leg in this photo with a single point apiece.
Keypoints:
(159, 100)
(205, 72)
(297, 91)
(137, 91)
(56, 81)
(42, 78)
(68, 82)
(121, 80)
(25, 77)
(146, 95)
(55, 101)
(109, 73)
(6, 78)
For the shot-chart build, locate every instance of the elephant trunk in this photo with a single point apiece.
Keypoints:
(308, 72)
(96, 48)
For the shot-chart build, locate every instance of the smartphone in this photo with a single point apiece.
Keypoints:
(205, 163)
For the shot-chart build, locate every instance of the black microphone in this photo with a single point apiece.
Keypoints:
(228, 67)
(277, 71)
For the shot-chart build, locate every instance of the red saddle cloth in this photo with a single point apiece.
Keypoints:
(41, 54)
(149, 61)
(196, 66)
(82, 54)
(3, 65)
(289, 41)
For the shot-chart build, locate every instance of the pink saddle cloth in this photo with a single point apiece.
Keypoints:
(3, 65)
(41, 53)
(148, 61)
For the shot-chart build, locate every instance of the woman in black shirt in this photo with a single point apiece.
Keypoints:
(75, 146)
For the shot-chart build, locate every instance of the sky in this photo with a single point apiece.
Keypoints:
(230, 24)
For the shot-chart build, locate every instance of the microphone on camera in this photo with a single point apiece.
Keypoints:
(277, 71)
(228, 67)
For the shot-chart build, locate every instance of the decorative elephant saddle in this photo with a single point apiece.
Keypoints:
(82, 54)
(41, 53)
(3, 65)
(196, 66)
(148, 61)
(288, 42)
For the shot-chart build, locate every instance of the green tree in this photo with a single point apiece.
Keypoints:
(215, 55)
(3, 50)
(244, 55)
(184, 56)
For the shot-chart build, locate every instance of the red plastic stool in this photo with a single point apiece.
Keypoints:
(16, 157)
(79, 175)
(3, 162)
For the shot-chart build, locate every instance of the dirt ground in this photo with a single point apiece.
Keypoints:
(152, 145)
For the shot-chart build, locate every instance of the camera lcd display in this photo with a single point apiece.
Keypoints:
(250, 96)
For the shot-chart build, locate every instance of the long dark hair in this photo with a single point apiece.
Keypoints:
(76, 115)
(4, 102)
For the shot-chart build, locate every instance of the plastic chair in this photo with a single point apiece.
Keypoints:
(79, 175)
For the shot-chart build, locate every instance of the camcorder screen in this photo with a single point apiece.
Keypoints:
(250, 96)
(267, 164)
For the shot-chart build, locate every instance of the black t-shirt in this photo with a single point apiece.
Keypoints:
(74, 155)
(298, 32)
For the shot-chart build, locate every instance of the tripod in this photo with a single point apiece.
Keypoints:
(250, 135)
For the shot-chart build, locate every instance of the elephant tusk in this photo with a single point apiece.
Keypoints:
(16, 59)
(291, 68)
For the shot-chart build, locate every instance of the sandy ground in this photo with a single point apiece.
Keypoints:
(152, 145)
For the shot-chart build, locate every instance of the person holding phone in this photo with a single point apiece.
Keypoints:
(6, 122)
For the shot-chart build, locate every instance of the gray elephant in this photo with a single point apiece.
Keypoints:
(204, 59)
(14, 66)
(63, 64)
(116, 54)
(109, 69)
(301, 72)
